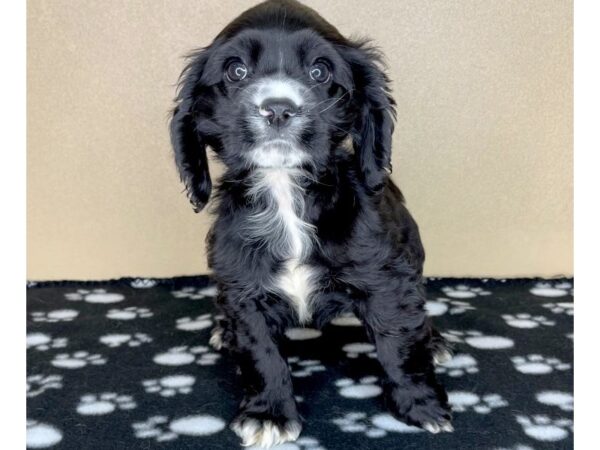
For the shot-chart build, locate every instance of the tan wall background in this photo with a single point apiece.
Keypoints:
(483, 147)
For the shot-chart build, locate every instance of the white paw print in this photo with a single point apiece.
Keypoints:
(42, 435)
(359, 348)
(366, 387)
(129, 313)
(525, 320)
(463, 401)
(543, 428)
(38, 384)
(143, 283)
(117, 339)
(160, 429)
(302, 334)
(563, 400)
(181, 356)
(195, 293)
(94, 296)
(464, 291)
(59, 315)
(442, 305)
(561, 308)
(105, 403)
(550, 289)
(347, 320)
(191, 324)
(302, 443)
(376, 426)
(459, 365)
(515, 447)
(77, 360)
(304, 368)
(43, 342)
(538, 364)
(170, 385)
(478, 340)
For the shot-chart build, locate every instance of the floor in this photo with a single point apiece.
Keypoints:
(126, 364)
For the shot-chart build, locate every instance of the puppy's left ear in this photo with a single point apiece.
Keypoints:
(375, 114)
(189, 143)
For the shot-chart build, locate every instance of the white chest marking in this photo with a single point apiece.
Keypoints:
(287, 234)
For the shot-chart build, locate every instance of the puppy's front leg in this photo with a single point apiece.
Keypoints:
(268, 414)
(401, 332)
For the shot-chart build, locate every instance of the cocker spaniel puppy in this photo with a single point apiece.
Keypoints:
(308, 223)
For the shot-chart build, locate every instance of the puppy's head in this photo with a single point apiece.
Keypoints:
(280, 87)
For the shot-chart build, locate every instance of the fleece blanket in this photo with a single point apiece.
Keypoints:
(126, 364)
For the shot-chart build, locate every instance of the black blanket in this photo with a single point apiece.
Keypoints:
(126, 365)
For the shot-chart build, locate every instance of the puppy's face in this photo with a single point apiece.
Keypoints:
(274, 99)
(281, 88)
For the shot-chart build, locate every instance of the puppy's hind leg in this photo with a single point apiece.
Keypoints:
(441, 349)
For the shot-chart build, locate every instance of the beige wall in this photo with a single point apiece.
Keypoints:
(483, 147)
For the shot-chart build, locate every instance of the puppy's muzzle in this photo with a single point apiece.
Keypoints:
(278, 111)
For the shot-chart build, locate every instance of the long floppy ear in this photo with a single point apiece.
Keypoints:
(374, 124)
(188, 142)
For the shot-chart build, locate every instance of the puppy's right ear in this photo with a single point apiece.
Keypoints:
(189, 144)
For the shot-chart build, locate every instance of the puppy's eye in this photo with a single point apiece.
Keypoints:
(236, 71)
(319, 72)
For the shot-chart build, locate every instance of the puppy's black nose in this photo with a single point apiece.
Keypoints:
(278, 111)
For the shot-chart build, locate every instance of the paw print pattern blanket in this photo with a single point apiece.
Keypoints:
(127, 364)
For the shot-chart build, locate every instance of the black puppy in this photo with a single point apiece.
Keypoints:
(308, 223)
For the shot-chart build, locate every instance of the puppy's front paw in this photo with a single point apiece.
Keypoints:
(422, 406)
(264, 432)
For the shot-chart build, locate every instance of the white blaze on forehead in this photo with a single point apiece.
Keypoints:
(279, 87)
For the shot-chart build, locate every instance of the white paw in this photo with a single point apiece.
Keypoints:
(77, 360)
(545, 429)
(94, 296)
(105, 403)
(170, 385)
(527, 321)
(216, 338)
(194, 324)
(265, 434)
(458, 366)
(538, 364)
(441, 356)
(366, 387)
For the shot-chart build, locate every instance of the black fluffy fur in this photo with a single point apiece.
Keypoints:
(368, 250)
